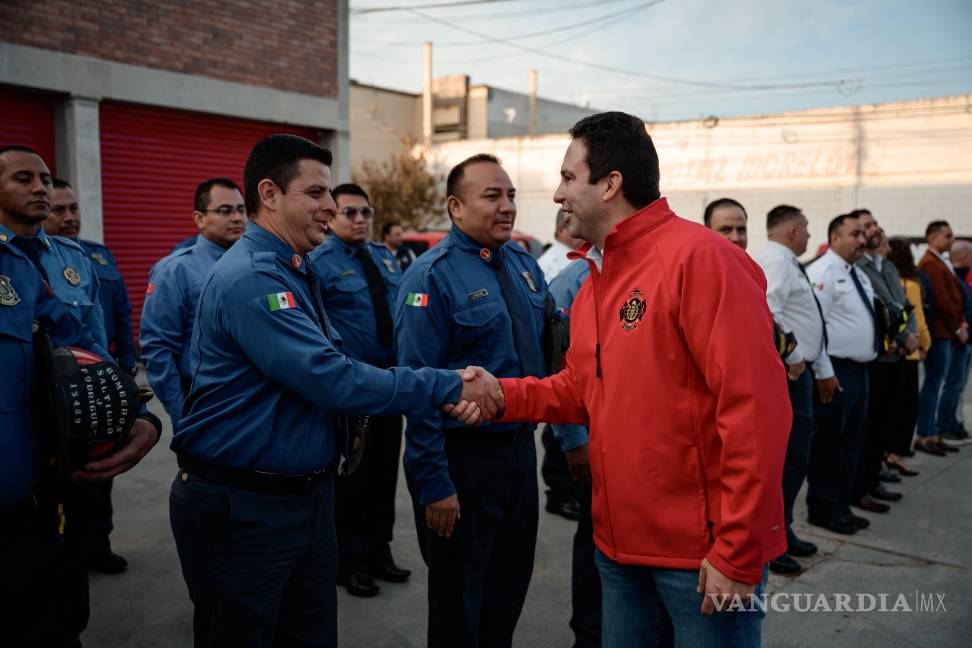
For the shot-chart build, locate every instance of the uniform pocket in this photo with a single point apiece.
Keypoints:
(15, 349)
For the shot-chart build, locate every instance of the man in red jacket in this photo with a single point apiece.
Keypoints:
(671, 366)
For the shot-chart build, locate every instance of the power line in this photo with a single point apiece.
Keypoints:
(436, 5)
(506, 14)
(616, 70)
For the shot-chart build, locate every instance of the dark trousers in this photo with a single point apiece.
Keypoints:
(798, 446)
(260, 568)
(554, 470)
(936, 368)
(903, 424)
(478, 577)
(365, 499)
(585, 582)
(31, 602)
(82, 531)
(837, 443)
(886, 384)
(105, 514)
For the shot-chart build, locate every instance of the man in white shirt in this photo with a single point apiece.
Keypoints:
(795, 308)
(847, 302)
(555, 258)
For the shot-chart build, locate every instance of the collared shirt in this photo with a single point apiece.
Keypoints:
(265, 378)
(451, 313)
(171, 299)
(597, 256)
(24, 299)
(115, 304)
(563, 289)
(945, 259)
(554, 260)
(72, 278)
(344, 289)
(850, 325)
(790, 299)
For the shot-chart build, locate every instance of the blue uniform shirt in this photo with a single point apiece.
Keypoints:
(24, 298)
(115, 305)
(347, 301)
(563, 288)
(451, 313)
(175, 283)
(72, 278)
(266, 381)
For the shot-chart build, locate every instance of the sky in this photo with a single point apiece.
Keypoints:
(676, 59)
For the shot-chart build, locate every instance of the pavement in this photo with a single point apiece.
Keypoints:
(922, 551)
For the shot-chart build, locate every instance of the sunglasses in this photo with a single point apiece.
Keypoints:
(352, 212)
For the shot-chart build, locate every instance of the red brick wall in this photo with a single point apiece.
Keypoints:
(282, 44)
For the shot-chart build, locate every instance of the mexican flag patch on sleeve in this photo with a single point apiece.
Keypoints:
(420, 300)
(281, 301)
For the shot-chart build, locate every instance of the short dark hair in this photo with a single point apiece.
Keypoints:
(780, 214)
(16, 147)
(716, 204)
(349, 189)
(837, 222)
(454, 180)
(387, 228)
(60, 183)
(617, 141)
(277, 158)
(201, 201)
(934, 226)
(857, 213)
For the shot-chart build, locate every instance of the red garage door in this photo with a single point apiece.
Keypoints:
(27, 119)
(151, 161)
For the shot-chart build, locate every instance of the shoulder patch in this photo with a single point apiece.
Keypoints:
(264, 261)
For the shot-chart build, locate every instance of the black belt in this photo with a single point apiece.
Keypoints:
(469, 436)
(253, 480)
(847, 362)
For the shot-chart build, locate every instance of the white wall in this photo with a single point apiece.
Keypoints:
(909, 162)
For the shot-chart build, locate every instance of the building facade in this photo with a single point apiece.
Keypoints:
(134, 103)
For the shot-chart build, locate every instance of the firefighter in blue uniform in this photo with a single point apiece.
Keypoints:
(37, 573)
(175, 283)
(359, 282)
(475, 298)
(65, 220)
(252, 504)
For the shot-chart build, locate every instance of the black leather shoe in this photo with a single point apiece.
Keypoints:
(108, 562)
(907, 472)
(800, 548)
(568, 509)
(837, 526)
(929, 447)
(361, 585)
(955, 435)
(857, 521)
(882, 493)
(868, 504)
(946, 447)
(784, 565)
(888, 477)
(387, 570)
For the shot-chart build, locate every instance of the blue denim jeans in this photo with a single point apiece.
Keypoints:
(955, 381)
(936, 368)
(645, 607)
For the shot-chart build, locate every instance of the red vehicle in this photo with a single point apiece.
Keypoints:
(421, 240)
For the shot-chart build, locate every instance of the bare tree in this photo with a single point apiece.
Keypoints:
(403, 189)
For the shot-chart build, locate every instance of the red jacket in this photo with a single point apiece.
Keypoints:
(672, 366)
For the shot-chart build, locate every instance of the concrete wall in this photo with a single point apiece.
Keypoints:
(381, 120)
(909, 162)
(246, 42)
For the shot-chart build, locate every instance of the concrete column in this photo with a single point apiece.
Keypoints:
(533, 101)
(339, 141)
(78, 142)
(427, 127)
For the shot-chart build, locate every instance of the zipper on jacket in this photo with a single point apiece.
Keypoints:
(597, 360)
(708, 523)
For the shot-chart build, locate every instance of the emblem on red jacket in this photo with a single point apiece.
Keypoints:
(633, 310)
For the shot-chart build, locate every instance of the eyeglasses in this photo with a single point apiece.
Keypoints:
(227, 210)
(352, 212)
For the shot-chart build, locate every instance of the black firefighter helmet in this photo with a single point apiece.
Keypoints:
(84, 405)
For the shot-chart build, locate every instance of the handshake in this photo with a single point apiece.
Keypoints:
(481, 398)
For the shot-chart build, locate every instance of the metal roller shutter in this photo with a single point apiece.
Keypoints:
(27, 119)
(151, 161)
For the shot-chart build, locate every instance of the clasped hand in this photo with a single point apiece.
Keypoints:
(481, 398)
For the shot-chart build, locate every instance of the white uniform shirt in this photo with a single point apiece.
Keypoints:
(850, 325)
(554, 260)
(790, 298)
